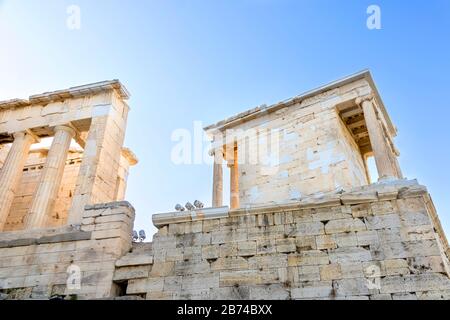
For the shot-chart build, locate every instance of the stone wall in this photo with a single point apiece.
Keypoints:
(34, 264)
(375, 242)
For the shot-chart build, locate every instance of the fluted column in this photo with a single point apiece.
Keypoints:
(217, 194)
(234, 180)
(380, 148)
(11, 172)
(50, 180)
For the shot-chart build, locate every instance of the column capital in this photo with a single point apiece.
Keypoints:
(26, 134)
(362, 99)
(68, 128)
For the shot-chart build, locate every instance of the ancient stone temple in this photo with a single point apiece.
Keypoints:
(306, 218)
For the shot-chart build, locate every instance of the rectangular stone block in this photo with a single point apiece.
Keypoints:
(325, 242)
(347, 239)
(137, 286)
(333, 213)
(174, 254)
(200, 281)
(134, 260)
(384, 296)
(173, 283)
(210, 252)
(161, 295)
(365, 238)
(270, 292)
(266, 246)
(349, 254)
(126, 273)
(268, 261)
(309, 229)
(426, 264)
(394, 267)
(344, 225)
(308, 273)
(411, 219)
(387, 221)
(411, 205)
(228, 249)
(162, 269)
(246, 248)
(383, 208)
(413, 283)
(224, 236)
(308, 258)
(305, 243)
(193, 253)
(230, 293)
(434, 295)
(361, 210)
(188, 267)
(113, 218)
(286, 245)
(359, 197)
(417, 233)
(398, 250)
(313, 290)
(351, 287)
(229, 263)
(210, 225)
(404, 296)
(248, 277)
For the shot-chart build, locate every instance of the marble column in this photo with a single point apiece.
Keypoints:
(11, 172)
(51, 177)
(380, 148)
(234, 180)
(217, 194)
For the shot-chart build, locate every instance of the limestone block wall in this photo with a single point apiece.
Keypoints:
(34, 264)
(316, 152)
(53, 113)
(375, 242)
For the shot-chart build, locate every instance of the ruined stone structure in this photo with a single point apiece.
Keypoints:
(305, 221)
(46, 192)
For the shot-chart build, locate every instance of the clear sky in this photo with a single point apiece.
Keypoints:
(186, 61)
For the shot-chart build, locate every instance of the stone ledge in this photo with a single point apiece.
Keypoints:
(381, 191)
(109, 205)
(63, 237)
(37, 233)
(134, 260)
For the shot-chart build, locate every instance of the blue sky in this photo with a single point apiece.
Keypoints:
(186, 61)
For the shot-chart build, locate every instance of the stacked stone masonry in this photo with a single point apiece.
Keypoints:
(373, 243)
